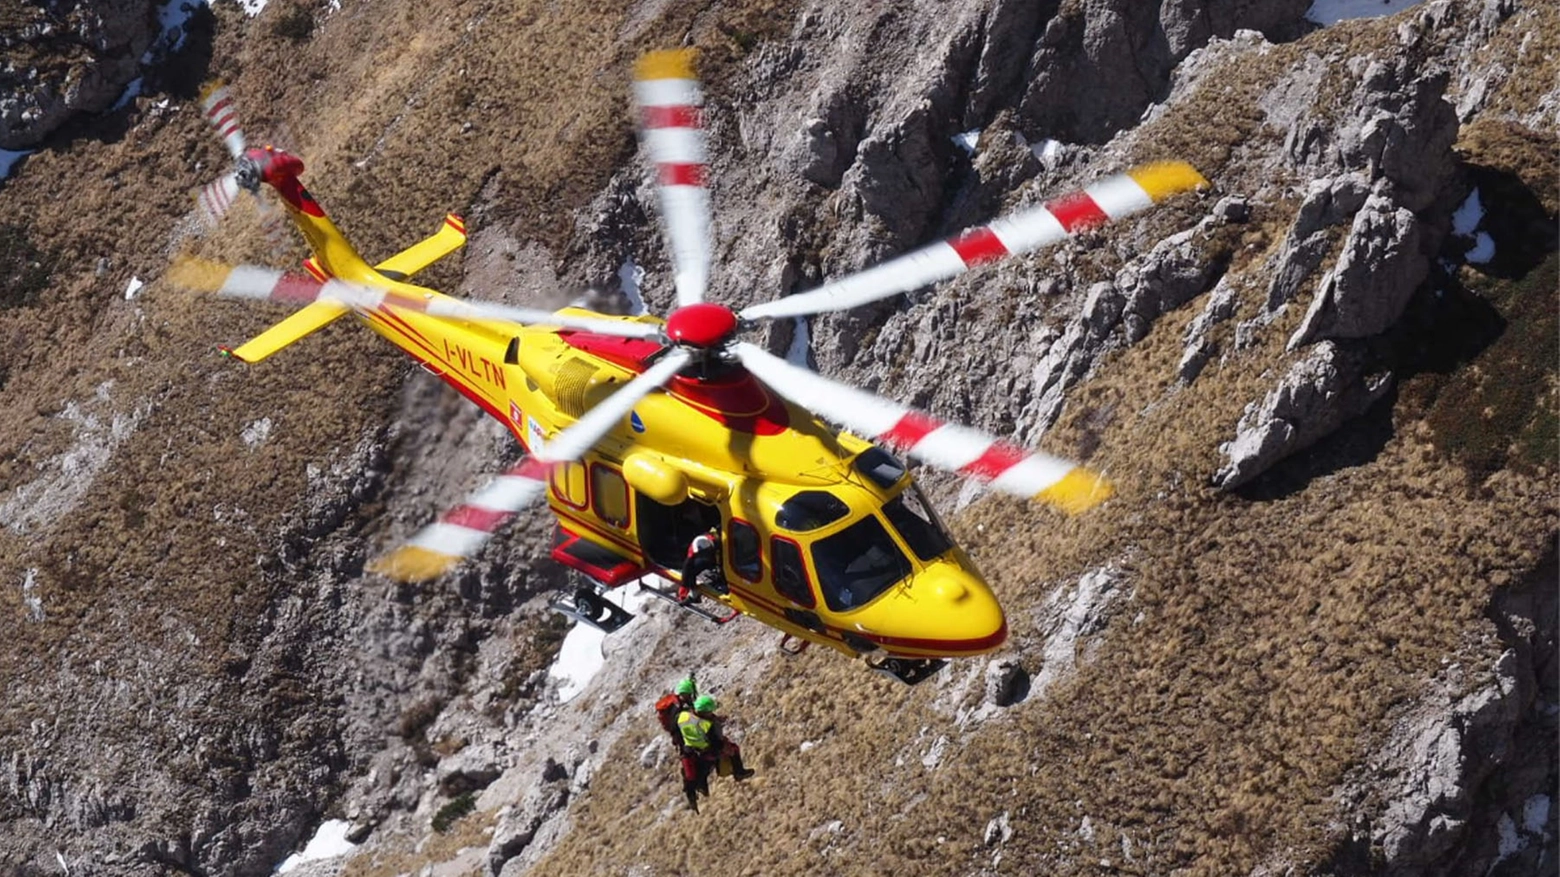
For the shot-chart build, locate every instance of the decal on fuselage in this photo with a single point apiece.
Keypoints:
(477, 366)
(534, 436)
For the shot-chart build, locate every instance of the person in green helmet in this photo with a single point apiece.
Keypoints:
(671, 704)
(705, 748)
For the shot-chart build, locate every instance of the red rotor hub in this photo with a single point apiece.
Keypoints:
(701, 325)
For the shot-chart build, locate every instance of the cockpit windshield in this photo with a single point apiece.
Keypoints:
(857, 564)
(917, 524)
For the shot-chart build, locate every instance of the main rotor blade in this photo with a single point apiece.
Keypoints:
(1008, 468)
(223, 117)
(247, 281)
(1109, 199)
(483, 310)
(669, 102)
(460, 532)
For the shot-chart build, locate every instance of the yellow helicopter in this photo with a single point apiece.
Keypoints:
(642, 434)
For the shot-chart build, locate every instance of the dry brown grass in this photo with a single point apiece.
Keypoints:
(1274, 635)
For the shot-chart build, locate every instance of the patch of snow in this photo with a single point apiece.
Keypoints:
(171, 16)
(132, 91)
(1046, 150)
(133, 287)
(256, 432)
(801, 344)
(967, 140)
(1510, 843)
(1535, 815)
(630, 276)
(253, 7)
(580, 657)
(30, 597)
(1468, 215)
(9, 158)
(328, 842)
(1325, 12)
(1482, 251)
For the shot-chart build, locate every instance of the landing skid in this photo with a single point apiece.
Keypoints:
(694, 605)
(907, 670)
(589, 605)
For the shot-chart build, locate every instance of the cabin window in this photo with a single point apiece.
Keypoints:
(880, 466)
(917, 524)
(742, 539)
(609, 495)
(809, 510)
(790, 574)
(857, 564)
(568, 483)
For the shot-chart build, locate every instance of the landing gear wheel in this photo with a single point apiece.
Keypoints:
(590, 604)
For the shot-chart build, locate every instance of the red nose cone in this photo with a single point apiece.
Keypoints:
(701, 325)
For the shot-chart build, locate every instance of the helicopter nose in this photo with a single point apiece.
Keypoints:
(970, 616)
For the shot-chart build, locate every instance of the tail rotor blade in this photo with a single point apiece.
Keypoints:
(1107, 200)
(670, 108)
(460, 532)
(216, 197)
(969, 452)
(222, 115)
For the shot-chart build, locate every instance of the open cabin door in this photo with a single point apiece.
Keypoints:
(666, 531)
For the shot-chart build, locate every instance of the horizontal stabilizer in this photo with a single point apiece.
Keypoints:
(449, 238)
(300, 325)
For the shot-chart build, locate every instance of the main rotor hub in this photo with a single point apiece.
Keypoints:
(703, 325)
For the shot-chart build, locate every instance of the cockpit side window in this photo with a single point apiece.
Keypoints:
(913, 517)
(857, 564)
(809, 510)
(880, 466)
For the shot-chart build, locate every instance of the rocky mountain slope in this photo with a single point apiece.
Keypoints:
(1313, 633)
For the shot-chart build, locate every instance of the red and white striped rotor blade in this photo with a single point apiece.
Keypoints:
(955, 448)
(216, 197)
(670, 104)
(463, 530)
(1110, 199)
(269, 284)
(222, 115)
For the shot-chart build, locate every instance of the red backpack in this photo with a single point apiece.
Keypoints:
(666, 709)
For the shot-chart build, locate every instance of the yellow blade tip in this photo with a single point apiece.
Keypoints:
(210, 88)
(665, 64)
(199, 274)
(1078, 491)
(411, 563)
(1165, 178)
